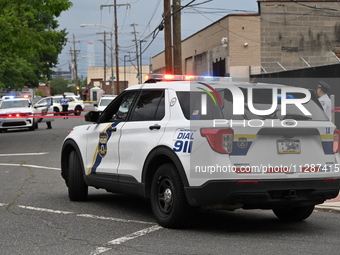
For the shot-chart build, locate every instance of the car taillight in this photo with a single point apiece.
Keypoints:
(220, 139)
(336, 141)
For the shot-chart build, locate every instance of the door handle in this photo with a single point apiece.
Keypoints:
(156, 126)
(112, 129)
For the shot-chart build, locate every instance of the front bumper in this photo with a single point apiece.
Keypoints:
(16, 123)
(264, 194)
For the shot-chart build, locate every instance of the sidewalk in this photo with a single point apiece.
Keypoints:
(332, 205)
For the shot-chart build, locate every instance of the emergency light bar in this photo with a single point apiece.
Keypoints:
(171, 77)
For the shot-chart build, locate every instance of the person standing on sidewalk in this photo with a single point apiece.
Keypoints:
(64, 104)
(324, 99)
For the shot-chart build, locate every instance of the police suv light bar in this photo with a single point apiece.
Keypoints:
(172, 77)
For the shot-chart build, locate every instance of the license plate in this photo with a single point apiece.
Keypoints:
(288, 146)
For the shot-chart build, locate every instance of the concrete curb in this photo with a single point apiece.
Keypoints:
(329, 207)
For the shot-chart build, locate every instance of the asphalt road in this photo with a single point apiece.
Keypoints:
(37, 217)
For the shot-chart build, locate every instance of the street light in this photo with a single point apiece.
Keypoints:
(116, 51)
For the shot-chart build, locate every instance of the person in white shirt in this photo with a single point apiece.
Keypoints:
(324, 99)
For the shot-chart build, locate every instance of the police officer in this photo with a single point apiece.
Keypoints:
(64, 104)
(324, 99)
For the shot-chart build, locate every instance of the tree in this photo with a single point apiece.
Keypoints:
(29, 40)
(60, 85)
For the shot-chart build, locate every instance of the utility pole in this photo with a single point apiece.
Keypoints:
(140, 61)
(116, 38)
(167, 36)
(74, 53)
(125, 67)
(105, 63)
(104, 80)
(137, 55)
(177, 41)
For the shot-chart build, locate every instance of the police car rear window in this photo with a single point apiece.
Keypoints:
(194, 108)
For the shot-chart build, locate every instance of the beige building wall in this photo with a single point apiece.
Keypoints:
(97, 72)
(299, 34)
(202, 50)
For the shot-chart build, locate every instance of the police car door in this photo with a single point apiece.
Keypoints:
(102, 146)
(142, 133)
(44, 110)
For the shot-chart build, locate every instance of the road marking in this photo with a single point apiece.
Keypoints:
(33, 166)
(44, 210)
(80, 215)
(24, 154)
(116, 241)
(126, 238)
(113, 219)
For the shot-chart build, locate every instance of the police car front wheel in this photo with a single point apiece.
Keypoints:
(168, 201)
(77, 188)
(294, 213)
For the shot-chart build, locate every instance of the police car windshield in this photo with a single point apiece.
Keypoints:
(14, 104)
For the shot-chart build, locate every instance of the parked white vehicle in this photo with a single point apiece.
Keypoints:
(17, 113)
(104, 101)
(76, 105)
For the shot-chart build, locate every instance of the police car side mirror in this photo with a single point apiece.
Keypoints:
(95, 104)
(92, 116)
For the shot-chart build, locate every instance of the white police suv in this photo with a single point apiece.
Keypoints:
(210, 143)
(76, 105)
(16, 112)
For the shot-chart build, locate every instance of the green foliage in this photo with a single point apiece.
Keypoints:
(29, 41)
(60, 85)
(39, 93)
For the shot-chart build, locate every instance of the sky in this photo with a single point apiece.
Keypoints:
(145, 14)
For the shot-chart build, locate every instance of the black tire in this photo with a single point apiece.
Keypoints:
(77, 188)
(77, 110)
(294, 213)
(56, 111)
(32, 128)
(168, 202)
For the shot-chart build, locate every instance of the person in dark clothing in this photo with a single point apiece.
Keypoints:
(64, 103)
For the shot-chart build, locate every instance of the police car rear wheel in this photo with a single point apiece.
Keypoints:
(294, 213)
(168, 201)
(77, 188)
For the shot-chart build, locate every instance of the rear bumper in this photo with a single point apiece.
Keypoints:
(265, 194)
